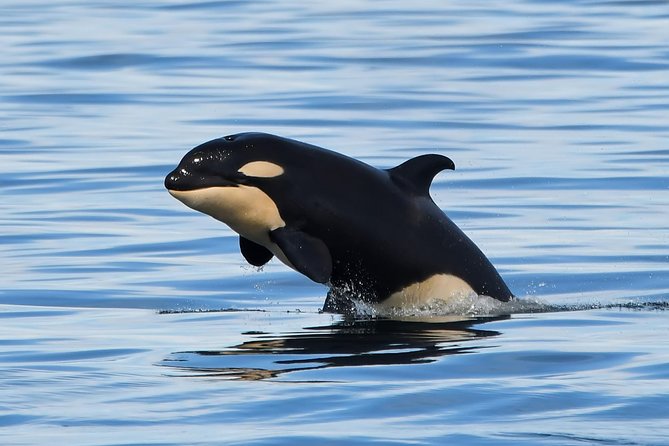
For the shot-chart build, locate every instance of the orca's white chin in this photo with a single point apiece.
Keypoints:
(247, 210)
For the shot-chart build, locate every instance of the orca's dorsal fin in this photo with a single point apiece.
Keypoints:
(418, 173)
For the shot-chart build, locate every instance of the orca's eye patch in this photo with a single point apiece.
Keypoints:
(261, 169)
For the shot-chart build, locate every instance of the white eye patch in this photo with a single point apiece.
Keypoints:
(261, 169)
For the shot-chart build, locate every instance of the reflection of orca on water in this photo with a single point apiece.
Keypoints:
(344, 344)
(369, 233)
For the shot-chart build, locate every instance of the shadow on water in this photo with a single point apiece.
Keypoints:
(348, 343)
(354, 342)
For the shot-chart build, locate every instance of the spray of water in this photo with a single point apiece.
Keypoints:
(477, 306)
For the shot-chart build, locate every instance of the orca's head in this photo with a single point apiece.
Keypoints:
(230, 161)
(223, 178)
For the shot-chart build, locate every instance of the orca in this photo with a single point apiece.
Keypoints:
(372, 235)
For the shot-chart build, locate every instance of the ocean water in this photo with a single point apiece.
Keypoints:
(128, 319)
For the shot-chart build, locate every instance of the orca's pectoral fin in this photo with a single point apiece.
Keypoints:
(308, 254)
(419, 172)
(255, 254)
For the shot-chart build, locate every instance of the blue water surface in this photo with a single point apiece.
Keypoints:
(128, 319)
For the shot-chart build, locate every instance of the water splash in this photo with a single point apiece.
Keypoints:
(464, 305)
(483, 306)
(458, 308)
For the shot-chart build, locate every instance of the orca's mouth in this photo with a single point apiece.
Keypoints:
(183, 180)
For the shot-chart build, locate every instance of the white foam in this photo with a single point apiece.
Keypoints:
(463, 305)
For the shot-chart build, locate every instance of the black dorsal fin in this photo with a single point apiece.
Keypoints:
(418, 173)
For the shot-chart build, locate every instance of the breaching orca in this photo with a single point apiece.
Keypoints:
(370, 234)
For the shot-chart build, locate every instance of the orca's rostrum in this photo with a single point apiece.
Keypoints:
(370, 234)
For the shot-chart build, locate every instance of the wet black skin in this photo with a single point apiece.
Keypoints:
(366, 232)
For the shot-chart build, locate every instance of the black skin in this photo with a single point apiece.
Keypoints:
(366, 232)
